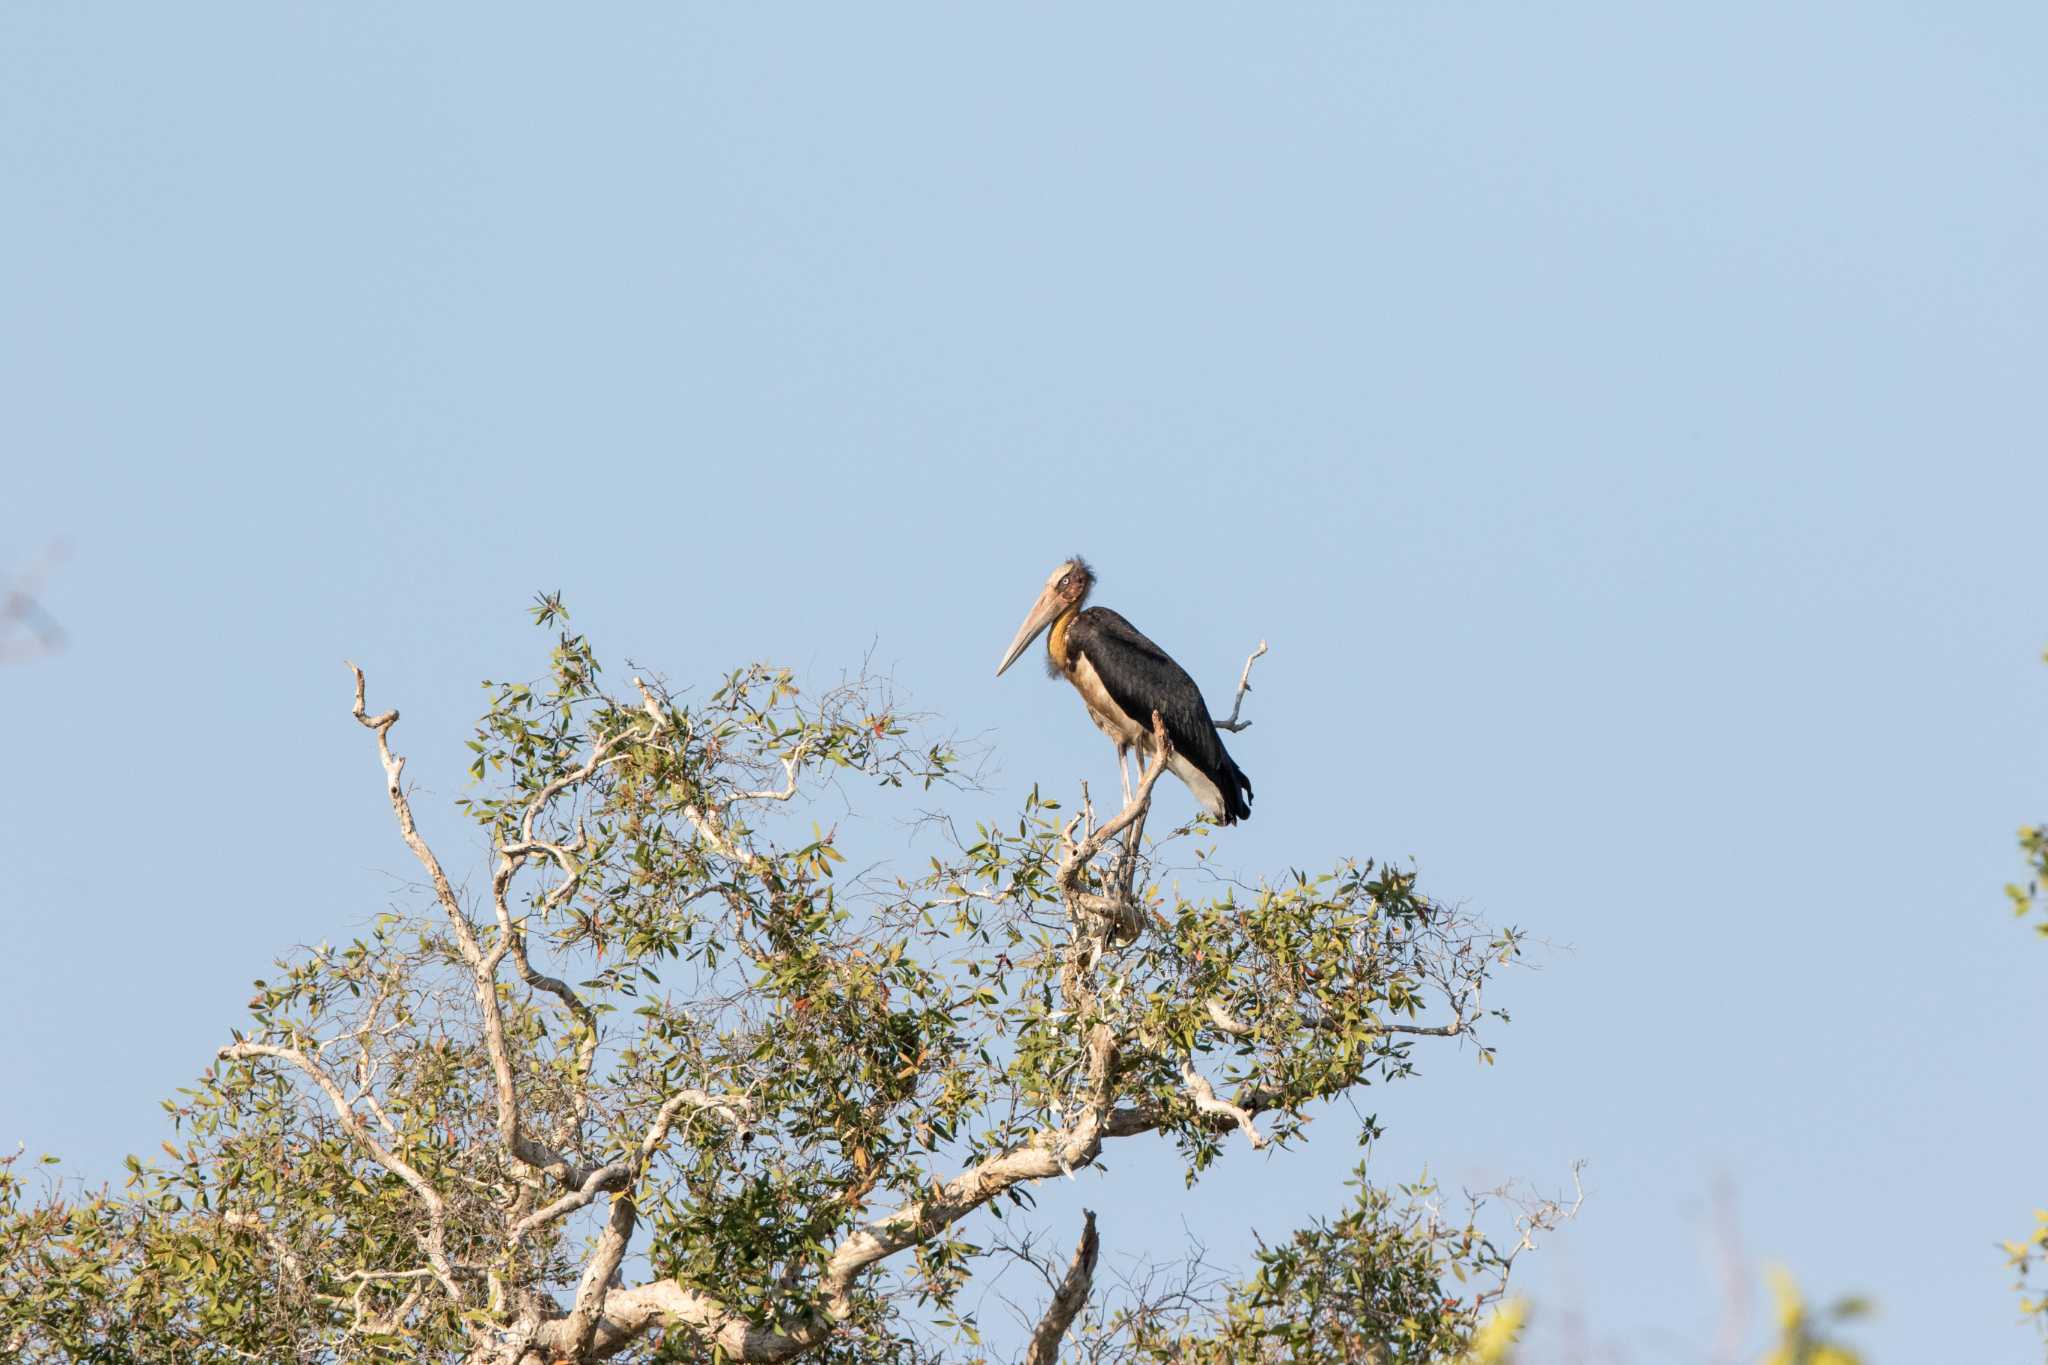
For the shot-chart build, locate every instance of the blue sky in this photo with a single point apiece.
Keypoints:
(1623, 421)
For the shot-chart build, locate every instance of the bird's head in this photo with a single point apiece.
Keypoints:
(1065, 590)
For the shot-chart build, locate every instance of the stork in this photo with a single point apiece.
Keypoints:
(1124, 679)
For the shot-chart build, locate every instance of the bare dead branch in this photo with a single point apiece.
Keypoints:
(1244, 685)
(1067, 1300)
(394, 771)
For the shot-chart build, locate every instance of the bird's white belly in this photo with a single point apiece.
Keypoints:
(1110, 718)
(1127, 732)
(1206, 793)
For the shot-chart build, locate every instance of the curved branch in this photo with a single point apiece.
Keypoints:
(622, 1316)
(1050, 1152)
(580, 1327)
(619, 1175)
(791, 763)
(1204, 1095)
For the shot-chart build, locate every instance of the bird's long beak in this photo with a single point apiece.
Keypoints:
(1042, 611)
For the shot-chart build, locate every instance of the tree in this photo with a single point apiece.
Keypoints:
(677, 1084)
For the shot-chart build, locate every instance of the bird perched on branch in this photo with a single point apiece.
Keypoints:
(1124, 679)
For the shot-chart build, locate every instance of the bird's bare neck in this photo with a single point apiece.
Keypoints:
(1056, 642)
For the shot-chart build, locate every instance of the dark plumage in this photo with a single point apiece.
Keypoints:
(1142, 678)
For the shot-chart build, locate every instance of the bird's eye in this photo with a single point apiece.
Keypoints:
(1065, 581)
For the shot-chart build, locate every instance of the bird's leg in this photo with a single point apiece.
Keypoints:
(1137, 829)
(1149, 755)
(1134, 838)
(1123, 769)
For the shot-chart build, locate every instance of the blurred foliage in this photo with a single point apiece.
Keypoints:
(1494, 1342)
(2027, 896)
(2031, 898)
(1804, 1337)
(2025, 1256)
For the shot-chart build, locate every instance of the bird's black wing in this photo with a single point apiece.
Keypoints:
(1142, 678)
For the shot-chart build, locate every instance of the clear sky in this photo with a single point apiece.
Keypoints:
(1625, 422)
